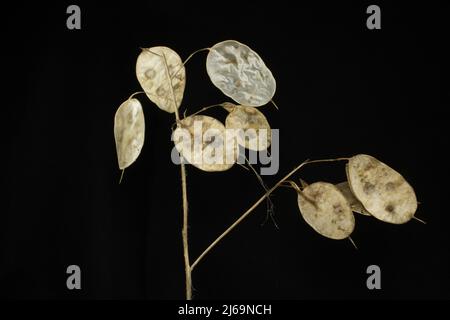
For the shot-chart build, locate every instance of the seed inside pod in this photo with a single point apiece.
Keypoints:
(129, 132)
(204, 143)
(326, 210)
(152, 74)
(354, 203)
(251, 126)
(240, 73)
(383, 192)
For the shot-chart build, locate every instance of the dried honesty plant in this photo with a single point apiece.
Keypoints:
(372, 189)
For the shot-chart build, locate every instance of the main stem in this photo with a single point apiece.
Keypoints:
(184, 231)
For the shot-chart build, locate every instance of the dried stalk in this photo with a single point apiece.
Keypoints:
(255, 205)
(184, 232)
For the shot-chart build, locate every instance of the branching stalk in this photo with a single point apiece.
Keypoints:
(255, 205)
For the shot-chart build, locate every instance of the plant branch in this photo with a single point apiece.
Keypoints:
(189, 58)
(270, 205)
(206, 108)
(255, 205)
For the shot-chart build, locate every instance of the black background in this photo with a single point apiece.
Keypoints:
(342, 89)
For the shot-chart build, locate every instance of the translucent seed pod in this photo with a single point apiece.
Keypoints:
(240, 73)
(326, 210)
(152, 68)
(383, 192)
(129, 132)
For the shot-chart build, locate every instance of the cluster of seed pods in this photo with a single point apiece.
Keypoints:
(372, 189)
(236, 70)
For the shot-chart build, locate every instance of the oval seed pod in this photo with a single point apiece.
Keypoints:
(240, 73)
(384, 193)
(205, 143)
(129, 132)
(151, 73)
(354, 203)
(253, 129)
(330, 214)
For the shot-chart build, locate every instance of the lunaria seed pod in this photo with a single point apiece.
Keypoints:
(326, 210)
(251, 127)
(383, 192)
(203, 142)
(152, 68)
(129, 132)
(240, 73)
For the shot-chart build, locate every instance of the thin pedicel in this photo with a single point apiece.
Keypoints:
(372, 188)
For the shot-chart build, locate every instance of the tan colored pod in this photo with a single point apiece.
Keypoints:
(204, 143)
(151, 73)
(326, 210)
(354, 203)
(129, 132)
(252, 128)
(240, 73)
(383, 192)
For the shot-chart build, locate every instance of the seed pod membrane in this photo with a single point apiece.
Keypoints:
(240, 73)
(129, 132)
(252, 128)
(354, 203)
(383, 192)
(151, 73)
(203, 142)
(331, 216)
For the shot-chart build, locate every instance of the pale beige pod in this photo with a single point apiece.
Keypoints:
(204, 143)
(152, 74)
(326, 210)
(240, 73)
(354, 203)
(346, 191)
(383, 192)
(129, 132)
(251, 127)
